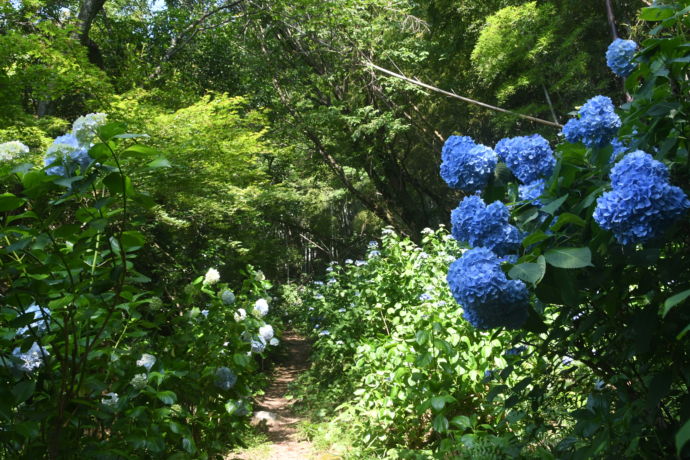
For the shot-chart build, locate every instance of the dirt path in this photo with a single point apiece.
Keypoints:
(275, 411)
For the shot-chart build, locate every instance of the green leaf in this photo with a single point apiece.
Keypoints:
(9, 202)
(554, 205)
(461, 421)
(569, 257)
(656, 13)
(674, 300)
(682, 437)
(167, 397)
(567, 218)
(23, 390)
(109, 131)
(422, 337)
(536, 237)
(231, 407)
(159, 163)
(529, 272)
(440, 423)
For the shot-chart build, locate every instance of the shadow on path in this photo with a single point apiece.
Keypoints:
(275, 411)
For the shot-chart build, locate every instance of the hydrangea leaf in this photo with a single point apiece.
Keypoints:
(529, 272)
(9, 202)
(569, 257)
(683, 436)
(674, 300)
(553, 206)
(657, 13)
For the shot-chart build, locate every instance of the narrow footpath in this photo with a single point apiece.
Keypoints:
(273, 412)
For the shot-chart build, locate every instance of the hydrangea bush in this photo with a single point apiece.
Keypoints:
(95, 364)
(397, 353)
(601, 270)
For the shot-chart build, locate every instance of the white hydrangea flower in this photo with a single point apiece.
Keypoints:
(205, 313)
(110, 400)
(146, 361)
(266, 332)
(33, 358)
(139, 381)
(261, 307)
(240, 315)
(11, 150)
(41, 315)
(212, 276)
(274, 342)
(84, 128)
(259, 276)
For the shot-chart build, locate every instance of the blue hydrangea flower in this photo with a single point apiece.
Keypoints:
(225, 378)
(532, 191)
(528, 157)
(466, 165)
(228, 297)
(68, 149)
(638, 166)
(257, 346)
(488, 298)
(571, 130)
(619, 148)
(641, 204)
(485, 226)
(597, 123)
(619, 57)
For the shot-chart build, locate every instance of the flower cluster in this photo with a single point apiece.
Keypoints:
(225, 378)
(212, 276)
(110, 400)
(84, 128)
(11, 150)
(619, 57)
(228, 297)
(532, 191)
(139, 381)
(240, 315)
(641, 203)
(485, 226)
(489, 299)
(597, 123)
(72, 149)
(619, 148)
(41, 315)
(67, 151)
(530, 158)
(32, 359)
(146, 361)
(466, 165)
(261, 308)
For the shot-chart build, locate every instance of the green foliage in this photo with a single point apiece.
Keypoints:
(111, 371)
(398, 353)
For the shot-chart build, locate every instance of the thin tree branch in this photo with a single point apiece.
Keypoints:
(462, 98)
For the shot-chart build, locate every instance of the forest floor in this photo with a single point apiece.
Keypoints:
(273, 412)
